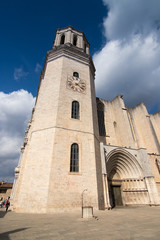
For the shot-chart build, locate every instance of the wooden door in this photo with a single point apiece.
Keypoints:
(116, 196)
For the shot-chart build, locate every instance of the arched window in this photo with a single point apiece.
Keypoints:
(75, 110)
(74, 158)
(62, 39)
(76, 74)
(75, 40)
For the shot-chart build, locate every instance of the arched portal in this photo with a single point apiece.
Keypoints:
(126, 183)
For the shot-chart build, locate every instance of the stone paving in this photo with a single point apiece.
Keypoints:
(127, 223)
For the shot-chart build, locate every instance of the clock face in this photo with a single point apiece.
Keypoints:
(76, 84)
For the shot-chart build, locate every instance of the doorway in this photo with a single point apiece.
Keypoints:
(116, 195)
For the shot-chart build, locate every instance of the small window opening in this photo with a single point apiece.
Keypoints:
(62, 39)
(75, 40)
(75, 110)
(85, 47)
(76, 74)
(74, 158)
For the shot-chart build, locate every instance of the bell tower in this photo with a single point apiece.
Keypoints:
(61, 154)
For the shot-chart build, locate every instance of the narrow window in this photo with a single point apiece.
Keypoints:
(75, 110)
(75, 40)
(74, 159)
(76, 74)
(101, 121)
(62, 39)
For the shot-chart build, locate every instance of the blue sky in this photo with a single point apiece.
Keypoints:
(124, 38)
(28, 30)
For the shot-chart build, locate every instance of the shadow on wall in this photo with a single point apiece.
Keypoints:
(99, 178)
(101, 120)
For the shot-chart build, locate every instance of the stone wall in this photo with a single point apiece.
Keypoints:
(45, 182)
(133, 129)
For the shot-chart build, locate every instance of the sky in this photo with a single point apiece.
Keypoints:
(124, 44)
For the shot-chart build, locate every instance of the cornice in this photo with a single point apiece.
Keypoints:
(70, 51)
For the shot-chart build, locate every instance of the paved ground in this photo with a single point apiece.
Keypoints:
(129, 223)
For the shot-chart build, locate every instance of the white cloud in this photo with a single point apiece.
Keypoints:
(15, 111)
(127, 18)
(19, 73)
(129, 63)
(38, 68)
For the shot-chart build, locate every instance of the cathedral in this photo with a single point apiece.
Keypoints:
(80, 150)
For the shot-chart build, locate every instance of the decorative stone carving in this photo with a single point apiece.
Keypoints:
(26, 134)
(17, 170)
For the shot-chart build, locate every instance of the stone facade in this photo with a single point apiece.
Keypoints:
(117, 151)
(130, 141)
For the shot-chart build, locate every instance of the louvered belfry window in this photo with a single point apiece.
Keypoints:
(74, 159)
(75, 110)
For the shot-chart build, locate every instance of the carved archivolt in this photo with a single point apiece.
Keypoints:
(124, 163)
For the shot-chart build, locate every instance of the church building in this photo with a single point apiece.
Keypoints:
(80, 150)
